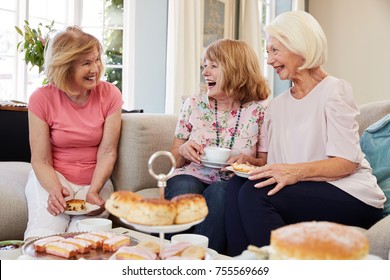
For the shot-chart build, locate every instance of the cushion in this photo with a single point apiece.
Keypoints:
(379, 238)
(141, 136)
(13, 203)
(375, 143)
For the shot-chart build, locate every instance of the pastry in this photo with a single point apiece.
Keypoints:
(174, 250)
(153, 246)
(135, 253)
(103, 234)
(194, 253)
(39, 245)
(76, 205)
(114, 243)
(318, 241)
(135, 209)
(83, 246)
(61, 249)
(190, 208)
(242, 167)
(96, 241)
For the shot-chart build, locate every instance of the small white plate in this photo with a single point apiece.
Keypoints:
(212, 164)
(238, 173)
(162, 229)
(211, 254)
(90, 208)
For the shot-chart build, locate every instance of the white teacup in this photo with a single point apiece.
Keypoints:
(94, 224)
(217, 154)
(195, 239)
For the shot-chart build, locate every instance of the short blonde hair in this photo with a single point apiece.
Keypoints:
(301, 33)
(241, 77)
(63, 50)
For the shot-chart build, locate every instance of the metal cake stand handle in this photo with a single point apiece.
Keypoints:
(161, 178)
(161, 181)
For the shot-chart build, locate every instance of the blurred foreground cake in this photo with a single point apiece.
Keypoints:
(316, 241)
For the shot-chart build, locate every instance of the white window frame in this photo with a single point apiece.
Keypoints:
(73, 17)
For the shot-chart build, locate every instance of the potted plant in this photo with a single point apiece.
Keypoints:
(33, 43)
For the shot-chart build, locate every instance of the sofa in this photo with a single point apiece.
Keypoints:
(143, 134)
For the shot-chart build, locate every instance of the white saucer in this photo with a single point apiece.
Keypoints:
(162, 229)
(90, 208)
(212, 164)
(238, 173)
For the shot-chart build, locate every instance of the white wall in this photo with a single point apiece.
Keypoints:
(358, 33)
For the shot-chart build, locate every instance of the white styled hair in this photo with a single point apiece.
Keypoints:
(301, 33)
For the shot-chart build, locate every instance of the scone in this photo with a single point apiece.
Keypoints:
(76, 205)
(135, 209)
(242, 167)
(190, 208)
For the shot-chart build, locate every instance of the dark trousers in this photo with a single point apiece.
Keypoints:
(251, 214)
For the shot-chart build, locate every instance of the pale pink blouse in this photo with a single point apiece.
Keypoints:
(319, 126)
(197, 122)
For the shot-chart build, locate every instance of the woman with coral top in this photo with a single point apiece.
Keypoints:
(229, 115)
(74, 124)
(315, 167)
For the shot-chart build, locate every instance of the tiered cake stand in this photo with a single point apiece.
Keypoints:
(161, 184)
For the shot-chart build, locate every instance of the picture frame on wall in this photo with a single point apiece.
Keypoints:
(218, 21)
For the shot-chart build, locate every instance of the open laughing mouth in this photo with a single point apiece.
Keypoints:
(90, 78)
(211, 84)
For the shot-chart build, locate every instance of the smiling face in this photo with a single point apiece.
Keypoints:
(285, 62)
(86, 72)
(211, 74)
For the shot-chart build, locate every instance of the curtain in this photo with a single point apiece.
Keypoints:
(298, 5)
(183, 52)
(249, 26)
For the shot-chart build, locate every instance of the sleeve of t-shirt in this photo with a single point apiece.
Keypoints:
(38, 104)
(341, 112)
(115, 101)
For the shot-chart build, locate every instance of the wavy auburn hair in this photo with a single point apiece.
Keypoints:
(241, 77)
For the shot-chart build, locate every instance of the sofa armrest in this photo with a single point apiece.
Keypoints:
(141, 136)
(372, 112)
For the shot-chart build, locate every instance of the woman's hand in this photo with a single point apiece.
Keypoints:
(96, 199)
(279, 174)
(56, 201)
(191, 151)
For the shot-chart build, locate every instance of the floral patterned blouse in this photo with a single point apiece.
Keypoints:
(197, 122)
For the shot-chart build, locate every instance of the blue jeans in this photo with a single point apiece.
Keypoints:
(214, 225)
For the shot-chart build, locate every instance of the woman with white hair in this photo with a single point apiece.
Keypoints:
(315, 167)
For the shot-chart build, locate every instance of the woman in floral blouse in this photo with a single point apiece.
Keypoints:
(229, 115)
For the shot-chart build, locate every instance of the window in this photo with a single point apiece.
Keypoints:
(266, 14)
(102, 18)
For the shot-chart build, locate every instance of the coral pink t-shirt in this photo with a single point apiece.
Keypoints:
(75, 130)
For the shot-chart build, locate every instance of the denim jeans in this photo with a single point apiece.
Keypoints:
(214, 225)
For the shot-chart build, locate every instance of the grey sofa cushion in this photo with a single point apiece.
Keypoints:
(13, 214)
(141, 136)
(379, 237)
(371, 112)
